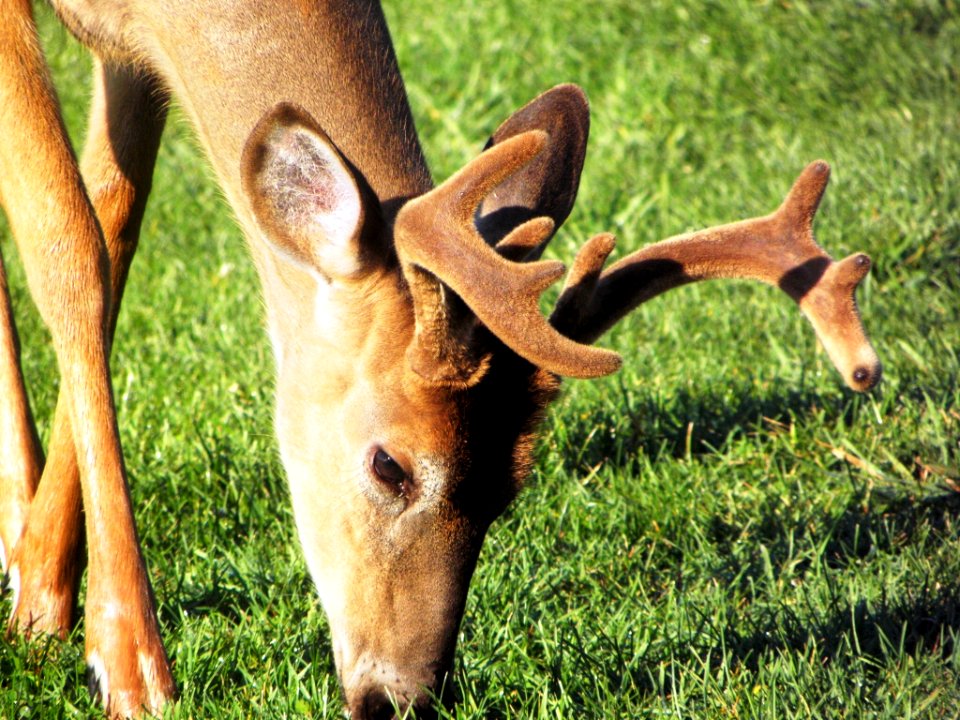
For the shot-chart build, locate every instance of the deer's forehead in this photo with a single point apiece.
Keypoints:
(406, 412)
(452, 429)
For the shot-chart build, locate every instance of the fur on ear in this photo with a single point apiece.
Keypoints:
(547, 186)
(304, 194)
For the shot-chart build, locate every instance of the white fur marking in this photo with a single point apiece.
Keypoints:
(433, 476)
(326, 309)
(148, 671)
(113, 610)
(90, 455)
(99, 670)
(379, 670)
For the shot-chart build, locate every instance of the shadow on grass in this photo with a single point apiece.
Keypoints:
(921, 619)
(895, 517)
(926, 620)
(694, 423)
(834, 629)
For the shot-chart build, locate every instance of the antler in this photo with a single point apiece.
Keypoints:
(778, 249)
(438, 245)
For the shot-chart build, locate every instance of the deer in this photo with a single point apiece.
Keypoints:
(413, 363)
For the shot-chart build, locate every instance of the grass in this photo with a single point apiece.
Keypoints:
(721, 530)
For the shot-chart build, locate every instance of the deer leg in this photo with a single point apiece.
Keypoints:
(126, 122)
(67, 270)
(21, 457)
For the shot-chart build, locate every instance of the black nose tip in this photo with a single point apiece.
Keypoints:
(378, 705)
(865, 378)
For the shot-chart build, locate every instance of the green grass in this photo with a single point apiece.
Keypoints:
(721, 530)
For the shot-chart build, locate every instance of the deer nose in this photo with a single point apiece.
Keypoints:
(377, 704)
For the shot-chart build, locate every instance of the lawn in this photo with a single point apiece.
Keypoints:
(719, 530)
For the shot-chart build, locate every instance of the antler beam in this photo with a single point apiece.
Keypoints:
(437, 242)
(778, 249)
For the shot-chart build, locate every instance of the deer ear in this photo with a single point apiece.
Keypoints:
(305, 196)
(547, 185)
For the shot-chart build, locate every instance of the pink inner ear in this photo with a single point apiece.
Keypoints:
(299, 179)
(309, 199)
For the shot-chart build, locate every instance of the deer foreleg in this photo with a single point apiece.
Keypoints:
(21, 458)
(126, 122)
(67, 268)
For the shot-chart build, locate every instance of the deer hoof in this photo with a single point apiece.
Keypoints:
(130, 690)
(127, 669)
(38, 607)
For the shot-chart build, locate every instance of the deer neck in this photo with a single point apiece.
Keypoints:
(227, 66)
(230, 61)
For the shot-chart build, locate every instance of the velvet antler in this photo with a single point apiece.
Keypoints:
(778, 249)
(438, 245)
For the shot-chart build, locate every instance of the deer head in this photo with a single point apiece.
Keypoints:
(413, 364)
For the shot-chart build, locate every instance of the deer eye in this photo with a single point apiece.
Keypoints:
(389, 470)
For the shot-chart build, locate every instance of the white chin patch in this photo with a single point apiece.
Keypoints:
(97, 678)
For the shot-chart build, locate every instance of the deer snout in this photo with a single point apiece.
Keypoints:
(379, 704)
(374, 699)
(376, 689)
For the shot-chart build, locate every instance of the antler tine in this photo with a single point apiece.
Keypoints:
(581, 283)
(778, 249)
(526, 239)
(462, 193)
(437, 242)
(802, 202)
